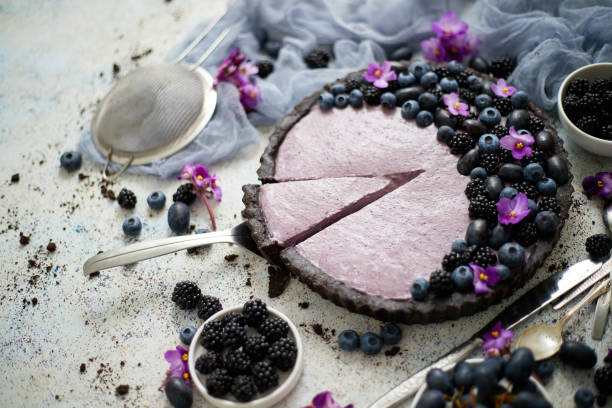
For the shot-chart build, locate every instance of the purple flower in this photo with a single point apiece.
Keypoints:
(250, 95)
(519, 144)
(455, 46)
(200, 176)
(454, 106)
(502, 89)
(325, 400)
(512, 211)
(449, 25)
(433, 50)
(188, 172)
(178, 363)
(600, 184)
(380, 75)
(472, 43)
(205, 184)
(498, 339)
(212, 183)
(245, 72)
(484, 278)
(228, 70)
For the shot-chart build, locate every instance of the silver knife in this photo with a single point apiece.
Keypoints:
(527, 305)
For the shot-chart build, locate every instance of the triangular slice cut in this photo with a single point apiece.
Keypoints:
(295, 210)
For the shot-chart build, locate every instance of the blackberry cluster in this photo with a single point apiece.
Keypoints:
(234, 335)
(572, 106)
(184, 194)
(317, 58)
(460, 143)
(480, 255)
(282, 354)
(587, 105)
(232, 316)
(490, 162)
(482, 207)
(243, 388)
(371, 94)
(208, 362)
(264, 376)
(503, 105)
(600, 85)
(256, 347)
(526, 234)
(208, 306)
(603, 379)
(578, 86)
(265, 68)
(475, 188)
(502, 67)
(500, 131)
(536, 156)
(237, 362)
(606, 132)
(442, 71)
(219, 382)
(255, 312)
(535, 125)
(274, 328)
(549, 203)
(592, 100)
(212, 336)
(461, 78)
(451, 261)
(186, 294)
(588, 123)
(599, 245)
(527, 188)
(440, 283)
(467, 95)
(351, 84)
(505, 156)
(126, 199)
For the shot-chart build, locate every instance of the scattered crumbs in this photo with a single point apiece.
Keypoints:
(247, 266)
(15, 178)
(304, 305)
(318, 329)
(321, 331)
(392, 351)
(122, 363)
(248, 281)
(34, 301)
(24, 239)
(51, 246)
(57, 397)
(116, 69)
(278, 280)
(83, 176)
(83, 368)
(33, 280)
(93, 274)
(32, 263)
(122, 389)
(231, 257)
(136, 57)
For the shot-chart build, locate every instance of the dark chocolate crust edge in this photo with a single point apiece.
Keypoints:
(254, 217)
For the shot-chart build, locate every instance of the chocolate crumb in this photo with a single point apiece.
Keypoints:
(231, 257)
(122, 389)
(57, 397)
(248, 281)
(15, 178)
(278, 280)
(32, 263)
(51, 247)
(24, 239)
(136, 57)
(83, 368)
(122, 363)
(116, 69)
(318, 329)
(34, 301)
(110, 194)
(93, 274)
(83, 176)
(392, 351)
(304, 305)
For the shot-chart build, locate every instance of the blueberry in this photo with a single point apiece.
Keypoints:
(503, 271)
(478, 172)
(410, 109)
(519, 366)
(428, 101)
(546, 223)
(584, 398)
(326, 101)
(132, 226)
(520, 99)
(512, 255)
(495, 365)
(356, 98)
(485, 380)
(178, 393)
(544, 369)
(187, 333)
(432, 399)
(449, 85)
(474, 83)
(388, 100)
(463, 375)
(438, 380)
(493, 186)
(490, 116)
(371, 343)
(71, 161)
(404, 80)
(391, 334)
(488, 143)
(341, 101)
(462, 277)
(527, 399)
(424, 118)
(418, 68)
(508, 192)
(156, 200)
(455, 67)
(547, 186)
(178, 217)
(459, 245)
(428, 79)
(348, 340)
(577, 354)
(500, 234)
(533, 172)
(444, 133)
(419, 289)
(338, 89)
(483, 101)
(477, 233)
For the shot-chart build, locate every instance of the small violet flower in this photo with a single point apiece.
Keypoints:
(484, 278)
(433, 50)
(454, 106)
(472, 43)
(519, 144)
(325, 400)
(599, 184)
(178, 363)
(228, 69)
(235, 70)
(205, 184)
(497, 340)
(380, 75)
(512, 211)
(449, 25)
(502, 89)
(250, 95)
(247, 69)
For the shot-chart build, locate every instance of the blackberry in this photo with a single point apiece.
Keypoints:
(490, 162)
(549, 203)
(282, 354)
(480, 255)
(237, 362)
(231, 316)
(243, 388)
(578, 86)
(607, 98)
(219, 382)
(592, 100)
(482, 207)
(526, 234)
(500, 131)
(436, 92)
(502, 67)
(208, 362)
(371, 95)
(350, 84)
(264, 376)
(186, 294)
(598, 245)
(317, 58)
(459, 119)
(451, 261)
(536, 156)
(503, 105)
(527, 188)
(255, 312)
(442, 71)
(467, 95)
(126, 199)
(535, 125)
(475, 188)
(589, 124)
(212, 336)
(234, 334)
(571, 105)
(184, 194)
(603, 379)
(460, 143)
(462, 77)
(208, 306)
(505, 156)
(265, 68)
(273, 328)
(600, 85)
(256, 347)
(440, 283)
(606, 132)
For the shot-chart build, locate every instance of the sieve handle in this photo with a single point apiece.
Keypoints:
(200, 36)
(212, 47)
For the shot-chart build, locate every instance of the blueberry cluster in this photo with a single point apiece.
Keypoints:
(187, 295)
(370, 343)
(244, 365)
(587, 104)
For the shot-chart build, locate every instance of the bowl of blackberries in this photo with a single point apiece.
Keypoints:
(490, 382)
(585, 107)
(248, 356)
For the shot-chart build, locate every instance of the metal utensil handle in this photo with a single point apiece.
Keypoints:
(597, 276)
(200, 36)
(411, 385)
(212, 47)
(591, 296)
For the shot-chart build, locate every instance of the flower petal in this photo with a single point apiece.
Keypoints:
(507, 142)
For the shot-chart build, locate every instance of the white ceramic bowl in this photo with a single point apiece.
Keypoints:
(475, 361)
(591, 143)
(287, 381)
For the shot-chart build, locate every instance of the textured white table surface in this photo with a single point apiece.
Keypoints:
(56, 60)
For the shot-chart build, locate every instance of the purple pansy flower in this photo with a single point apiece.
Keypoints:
(512, 211)
(484, 278)
(519, 144)
(455, 46)
(188, 172)
(205, 184)
(178, 363)
(497, 339)
(599, 184)
(228, 69)
(449, 25)
(433, 50)
(455, 106)
(216, 190)
(200, 175)
(502, 89)
(472, 43)
(250, 95)
(325, 400)
(380, 75)
(246, 70)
